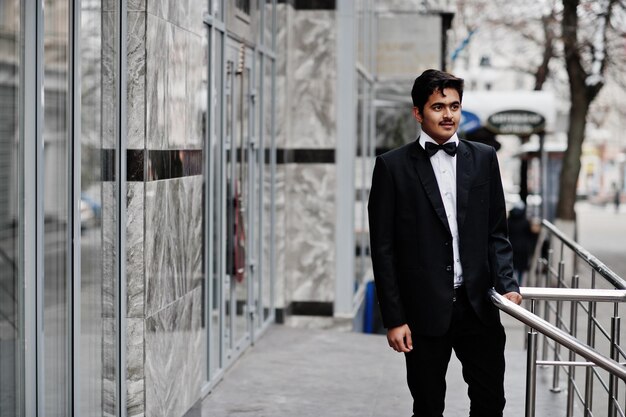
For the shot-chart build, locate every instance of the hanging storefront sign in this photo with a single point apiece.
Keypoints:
(516, 122)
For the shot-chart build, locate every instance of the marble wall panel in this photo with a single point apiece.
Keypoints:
(266, 236)
(109, 249)
(109, 301)
(313, 68)
(108, 5)
(136, 5)
(196, 93)
(282, 298)
(196, 12)
(158, 8)
(136, 84)
(109, 78)
(175, 11)
(158, 44)
(135, 269)
(284, 12)
(135, 366)
(179, 12)
(310, 226)
(109, 367)
(91, 78)
(176, 102)
(173, 240)
(175, 357)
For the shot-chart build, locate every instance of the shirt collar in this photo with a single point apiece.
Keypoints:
(425, 138)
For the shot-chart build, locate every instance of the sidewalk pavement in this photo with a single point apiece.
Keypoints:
(303, 372)
(322, 373)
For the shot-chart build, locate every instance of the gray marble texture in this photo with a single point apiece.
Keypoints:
(173, 240)
(310, 225)
(196, 90)
(266, 236)
(176, 95)
(158, 42)
(282, 299)
(174, 11)
(136, 5)
(91, 78)
(109, 76)
(175, 357)
(136, 80)
(108, 5)
(135, 266)
(313, 67)
(175, 85)
(135, 366)
(284, 14)
(109, 245)
(109, 368)
(197, 10)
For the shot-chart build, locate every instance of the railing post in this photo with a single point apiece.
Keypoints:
(558, 322)
(546, 304)
(591, 341)
(572, 355)
(531, 369)
(615, 323)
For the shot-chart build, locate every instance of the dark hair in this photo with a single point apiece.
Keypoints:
(433, 80)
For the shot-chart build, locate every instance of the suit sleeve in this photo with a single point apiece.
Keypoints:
(381, 208)
(500, 249)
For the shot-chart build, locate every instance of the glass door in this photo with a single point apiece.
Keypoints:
(238, 198)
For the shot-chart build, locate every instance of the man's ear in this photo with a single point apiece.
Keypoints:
(417, 115)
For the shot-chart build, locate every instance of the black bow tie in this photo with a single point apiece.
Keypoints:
(449, 148)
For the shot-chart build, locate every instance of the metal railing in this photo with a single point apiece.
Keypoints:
(560, 326)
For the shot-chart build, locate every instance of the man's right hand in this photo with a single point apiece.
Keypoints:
(399, 338)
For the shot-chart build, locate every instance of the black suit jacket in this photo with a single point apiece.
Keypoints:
(411, 242)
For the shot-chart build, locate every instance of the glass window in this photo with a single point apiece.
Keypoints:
(56, 139)
(11, 219)
(216, 151)
(98, 199)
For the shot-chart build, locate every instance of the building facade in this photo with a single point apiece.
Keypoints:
(176, 177)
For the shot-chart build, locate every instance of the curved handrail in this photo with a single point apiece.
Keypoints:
(594, 262)
(557, 334)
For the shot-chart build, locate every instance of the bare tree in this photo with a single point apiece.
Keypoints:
(576, 44)
(586, 58)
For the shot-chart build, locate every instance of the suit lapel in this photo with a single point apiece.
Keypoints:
(429, 181)
(463, 169)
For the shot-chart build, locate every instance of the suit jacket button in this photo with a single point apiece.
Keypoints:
(448, 268)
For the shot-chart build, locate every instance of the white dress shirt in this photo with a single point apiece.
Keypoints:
(444, 167)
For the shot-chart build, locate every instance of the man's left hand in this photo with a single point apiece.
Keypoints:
(514, 297)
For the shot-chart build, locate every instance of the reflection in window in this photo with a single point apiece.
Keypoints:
(11, 220)
(55, 205)
(98, 356)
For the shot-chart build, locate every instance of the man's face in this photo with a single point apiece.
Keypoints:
(441, 114)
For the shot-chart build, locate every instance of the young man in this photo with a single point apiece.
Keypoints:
(439, 243)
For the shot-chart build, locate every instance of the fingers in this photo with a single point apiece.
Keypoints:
(399, 338)
(514, 297)
(408, 340)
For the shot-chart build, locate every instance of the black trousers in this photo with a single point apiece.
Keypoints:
(480, 350)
